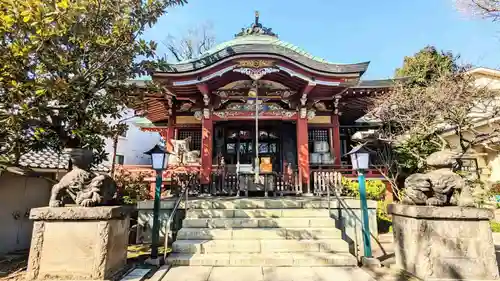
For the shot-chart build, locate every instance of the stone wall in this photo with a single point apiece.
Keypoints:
(348, 221)
(444, 242)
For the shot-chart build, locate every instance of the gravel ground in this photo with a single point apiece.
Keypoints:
(13, 266)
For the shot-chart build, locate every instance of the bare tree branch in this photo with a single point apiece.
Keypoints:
(489, 9)
(452, 111)
(192, 45)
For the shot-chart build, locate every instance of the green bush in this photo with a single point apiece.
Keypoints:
(495, 226)
(375, 190)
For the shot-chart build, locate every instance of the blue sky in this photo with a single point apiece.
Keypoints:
(380, 31)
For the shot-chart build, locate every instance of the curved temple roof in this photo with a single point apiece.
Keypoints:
(258, 39)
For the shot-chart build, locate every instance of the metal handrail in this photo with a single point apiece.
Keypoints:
(184, 194)
(344, 206)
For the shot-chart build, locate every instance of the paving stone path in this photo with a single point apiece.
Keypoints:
(207, 273)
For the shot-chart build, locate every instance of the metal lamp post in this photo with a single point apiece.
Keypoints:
(159, 159)
(360, 159)
(253, 93)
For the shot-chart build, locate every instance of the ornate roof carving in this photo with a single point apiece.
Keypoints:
(256, 29)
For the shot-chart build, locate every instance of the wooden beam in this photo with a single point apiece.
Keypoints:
(303, 95)
(203, 88)
(205, 91)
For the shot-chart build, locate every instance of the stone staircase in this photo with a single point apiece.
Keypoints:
(252, 232)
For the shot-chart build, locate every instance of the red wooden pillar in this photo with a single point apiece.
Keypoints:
(168, 134)
(207, 128)
(336, 148)
(303, 150)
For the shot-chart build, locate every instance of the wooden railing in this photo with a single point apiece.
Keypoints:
(224, 183)
(230, 183)
(323, 177)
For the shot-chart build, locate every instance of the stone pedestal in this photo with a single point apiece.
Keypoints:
(75, 243)
(444, 242)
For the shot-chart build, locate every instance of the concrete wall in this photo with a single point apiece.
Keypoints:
(18, 194)
(133, 145)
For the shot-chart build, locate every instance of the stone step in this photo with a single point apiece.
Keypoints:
(260, 259)
(257, 213)
(259, 246)
(258, 233)
(260, 203)
(258, 222)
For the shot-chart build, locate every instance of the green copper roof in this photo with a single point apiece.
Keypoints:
(261, 40)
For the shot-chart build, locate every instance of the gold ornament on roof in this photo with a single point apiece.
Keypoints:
(256, 29)
(256, 63)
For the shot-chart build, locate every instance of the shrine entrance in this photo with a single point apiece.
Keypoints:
(236, 141)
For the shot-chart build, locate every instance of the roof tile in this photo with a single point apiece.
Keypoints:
(48, 158)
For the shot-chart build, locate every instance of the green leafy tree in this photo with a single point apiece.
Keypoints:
(425, 68)
(427, 65)
(65, 67)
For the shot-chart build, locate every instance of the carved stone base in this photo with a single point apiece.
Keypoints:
(438, 243)
(75, 243)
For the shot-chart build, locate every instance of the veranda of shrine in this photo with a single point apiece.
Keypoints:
(258, 93)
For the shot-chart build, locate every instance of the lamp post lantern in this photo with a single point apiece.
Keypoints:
(159, 161)
(360, 159)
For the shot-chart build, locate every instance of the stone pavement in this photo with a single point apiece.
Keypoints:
(208, 273)
(385, 273)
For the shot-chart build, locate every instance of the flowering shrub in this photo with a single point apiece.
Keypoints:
(132, 186)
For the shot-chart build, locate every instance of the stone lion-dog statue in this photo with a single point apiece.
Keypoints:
(83, 187)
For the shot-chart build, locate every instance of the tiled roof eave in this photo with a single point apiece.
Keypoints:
(51, 160)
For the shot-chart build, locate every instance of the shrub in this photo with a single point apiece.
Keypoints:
(375, 189)
(495, 188)
(495, 226)
(132, 186)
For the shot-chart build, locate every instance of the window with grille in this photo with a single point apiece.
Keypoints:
(119, 159)
(194, 134)
(317, 135)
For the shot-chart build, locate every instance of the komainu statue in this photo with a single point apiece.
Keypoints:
(83, 187)
(182, 154)
(440, 186)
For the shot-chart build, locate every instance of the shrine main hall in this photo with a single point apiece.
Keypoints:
(256, 106)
